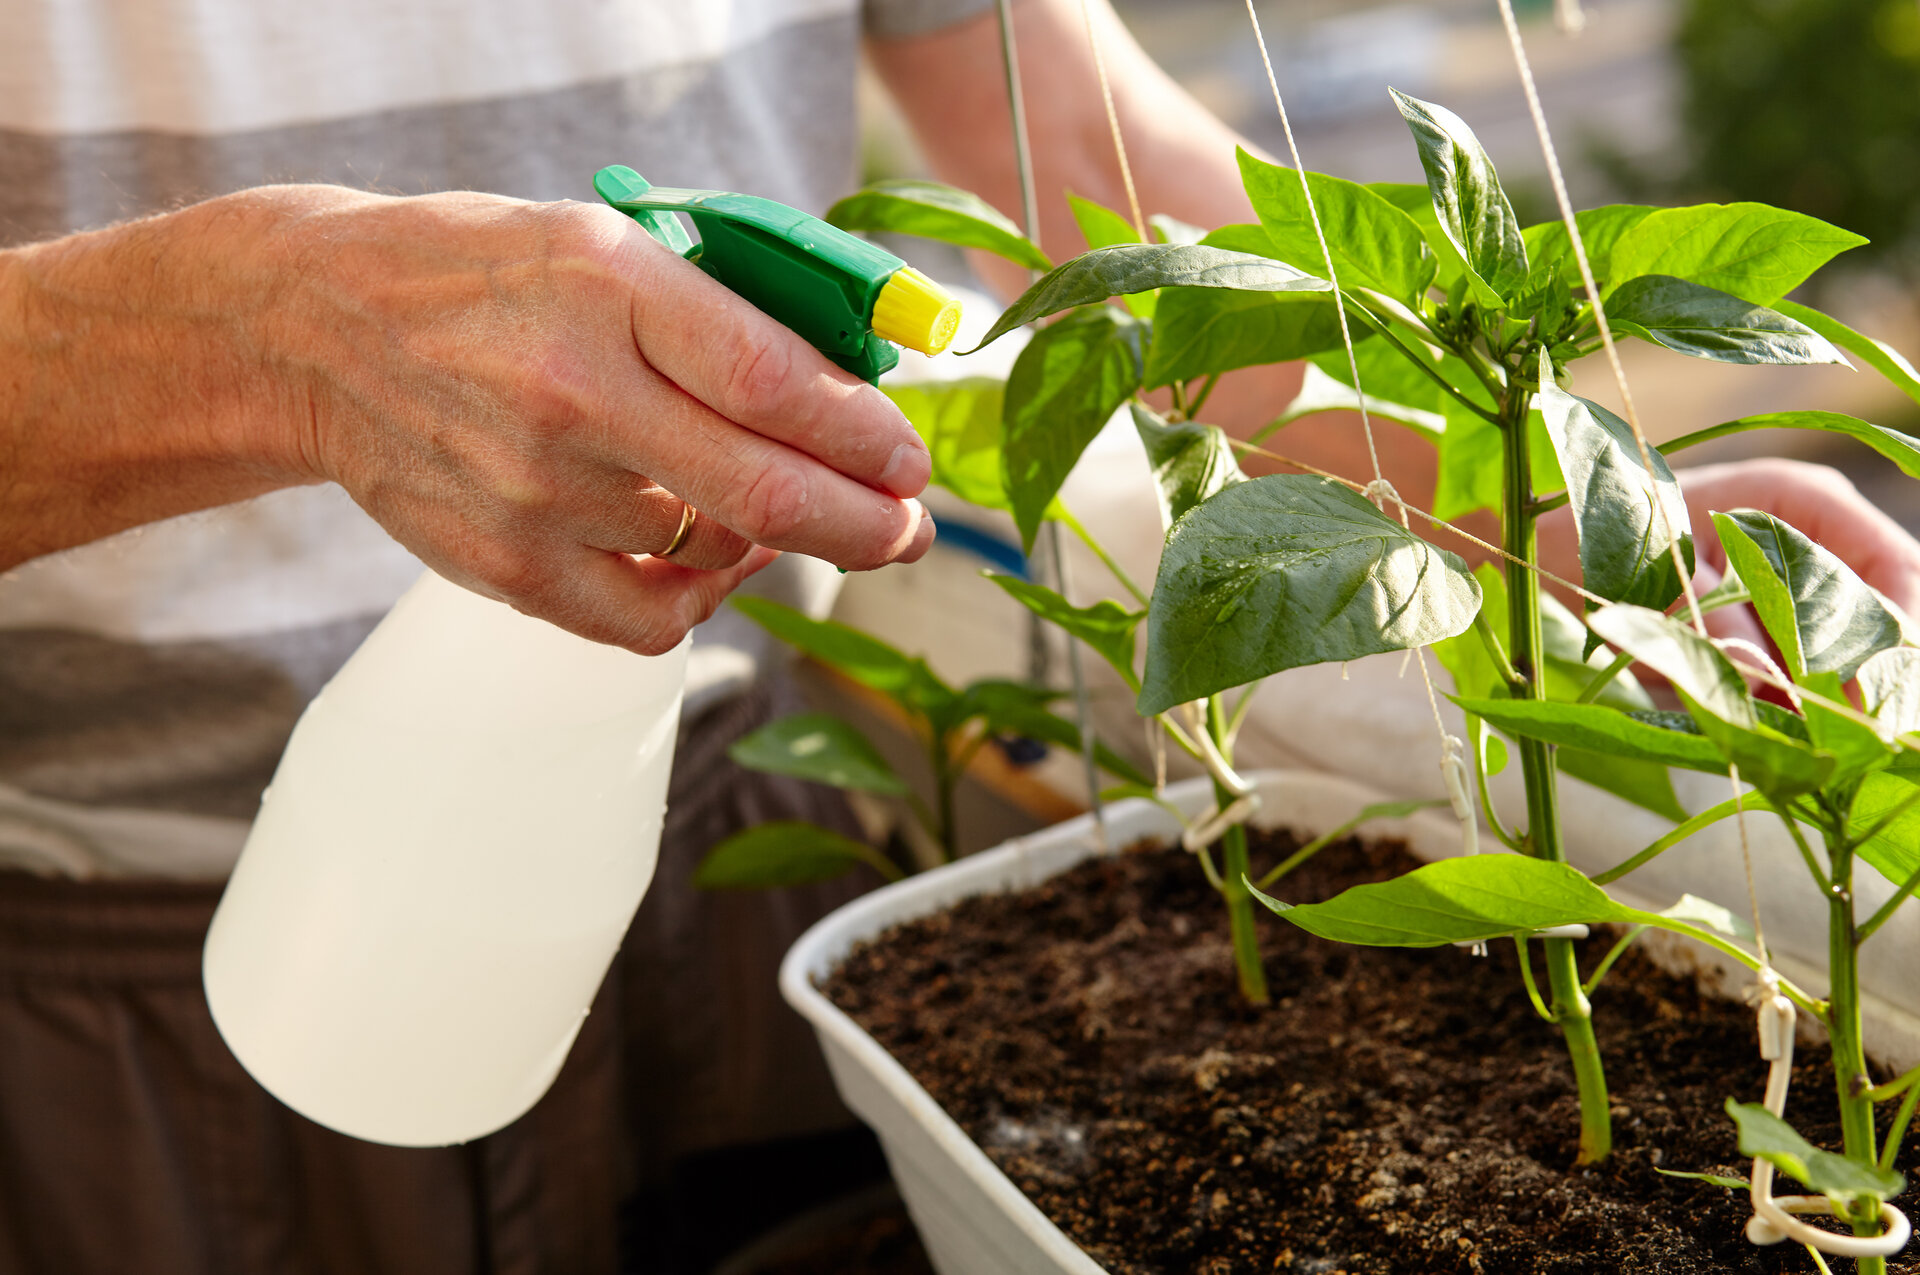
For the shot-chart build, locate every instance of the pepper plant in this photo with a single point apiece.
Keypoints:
(1465, 326)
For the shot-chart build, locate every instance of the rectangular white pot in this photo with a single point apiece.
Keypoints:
(973, 1220)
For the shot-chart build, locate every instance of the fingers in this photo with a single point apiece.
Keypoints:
(749, 369)
(646, 605)
(629, 514)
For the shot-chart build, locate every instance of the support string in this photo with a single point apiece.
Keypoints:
(1113, 122)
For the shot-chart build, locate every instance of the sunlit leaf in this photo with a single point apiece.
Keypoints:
(1374, 244)
(1709, 324)
(1106, 626)
(933, 211)
(1899, 448)
(1844, 1181)
(1287, 570)
(1127, 268)
(1754, 251)
(866, 659)
(1476, 220)
(1823, 617)
(960, 421)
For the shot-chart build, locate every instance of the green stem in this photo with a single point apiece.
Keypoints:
(1850, 1079)
(1200, 399)
(1894, 1088)
(1507, 839)
(1086, 538)
(1547, 504)
(1426, 367)
(1614, 953)
(1711, 815)
(1526, 976)
(1604, 678)
(1491, 640)
(1898, 1132)
(1235, 866)
(1901, 895)
(1526, 646)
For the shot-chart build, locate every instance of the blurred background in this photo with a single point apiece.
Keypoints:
(1809, 104)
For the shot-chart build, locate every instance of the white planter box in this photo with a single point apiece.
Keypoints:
(973, 1220)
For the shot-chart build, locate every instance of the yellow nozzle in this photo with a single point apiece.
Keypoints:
(913, 311)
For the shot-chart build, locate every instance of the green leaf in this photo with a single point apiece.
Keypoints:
(1200, 331)
(1841, 1180)
(1129, 268)
(1321, 393)
(867, 660)
(1374, 244)
(1716, 1179)
(1823, 617)
(1626, 518)
(1709, 324)
(1890, 689)
(1069, 379)
(1472, 459)
(786, 852)
(1190, 461)
(819, 747)
(1464, 900)
(1417, 203)
(1883, 358)
(1102, 227)
(1598, 729)
(1899, 448)
(1856, 747)
(933, 211)
(1106, 626)
(1476, 220)
(1549, 248)
(1014, 708)
(960, 421)
(1894, 851)
(1778, 765)
(1754, 251)
(1287, 570)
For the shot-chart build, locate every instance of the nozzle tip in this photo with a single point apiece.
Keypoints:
(914, 311)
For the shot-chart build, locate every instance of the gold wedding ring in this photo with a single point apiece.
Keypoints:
(687, 515)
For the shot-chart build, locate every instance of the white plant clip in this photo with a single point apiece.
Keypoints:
(1773, 1220)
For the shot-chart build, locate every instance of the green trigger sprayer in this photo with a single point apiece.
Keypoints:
(845, 296)
(468, 814)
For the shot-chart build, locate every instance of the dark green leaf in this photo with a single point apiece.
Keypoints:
(1106, 626)
(933, 211)
(1066, 383)
(1374, 244)
(960, 421)
(1190, 461)
(1709, 324)
(867, 660)
(1883, 358)
(1626, 518)
(819, 747)
(785, 852)
(1102, 227)
(1598, 729)
(1716, 697)
(1841, 1180)
(1014, 708)
(1287, 570)
(1128, 268)
(1899, 448)
(1820, 614)
(1200, 331)
(1756, 252)
(1475, 217)
(1890, 687)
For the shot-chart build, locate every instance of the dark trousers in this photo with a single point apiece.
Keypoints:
(131, 1141)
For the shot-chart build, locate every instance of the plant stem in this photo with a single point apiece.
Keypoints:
(1106, 560)
(1681, 831)
(1604, 678)
(1525, 645)
(1234, 867)
(945, 779)
(1850, 1078)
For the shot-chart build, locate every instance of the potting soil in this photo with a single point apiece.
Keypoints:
(1390, 1111)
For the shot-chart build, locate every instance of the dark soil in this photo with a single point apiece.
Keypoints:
(1392, 1111)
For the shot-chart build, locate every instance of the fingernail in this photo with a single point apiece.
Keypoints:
(907, 470)
(922, 538)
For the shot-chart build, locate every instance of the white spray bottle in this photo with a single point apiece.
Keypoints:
(467, 816)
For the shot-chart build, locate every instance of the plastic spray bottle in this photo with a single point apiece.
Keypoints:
(467, 816)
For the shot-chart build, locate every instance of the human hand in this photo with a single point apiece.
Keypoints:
(524, 394)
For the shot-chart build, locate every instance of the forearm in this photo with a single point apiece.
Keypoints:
(132, 376)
